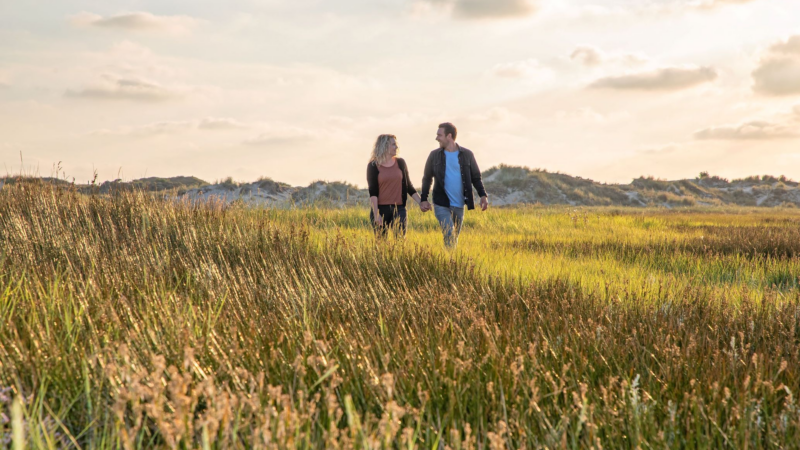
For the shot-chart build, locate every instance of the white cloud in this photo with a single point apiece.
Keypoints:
(151, 129)
(663, 79)
(590, 115)
(5, 79)
(116, 88)
(781, 126)
(790, 47)
(591, 56)
(135, 21)
(588, 56)
(172, 127)
(680, 6)
(479, 9)
(778, 76)
(529, 68)
(629, 11)
(749, 131)
(778, 72)
(282, 134)
(498, 115)
(662, 150)
(710, 4)
(127, 59)
(220, 123)
(130, 51)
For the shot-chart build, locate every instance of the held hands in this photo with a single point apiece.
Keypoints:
(425, 206)
(378, 220)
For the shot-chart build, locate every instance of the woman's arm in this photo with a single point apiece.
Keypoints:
(409, 185)
(376, 215)
(372, 185)
(372, 179)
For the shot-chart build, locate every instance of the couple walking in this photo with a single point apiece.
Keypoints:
(453, 170)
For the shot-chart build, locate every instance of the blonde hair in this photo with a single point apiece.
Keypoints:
(379, 152)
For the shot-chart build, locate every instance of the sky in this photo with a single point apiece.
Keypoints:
(298, 90)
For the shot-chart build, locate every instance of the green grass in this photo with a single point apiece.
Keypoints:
(133, 322)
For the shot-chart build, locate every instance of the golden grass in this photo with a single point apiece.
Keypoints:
(133, 322)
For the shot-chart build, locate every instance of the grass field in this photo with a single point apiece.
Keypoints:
(133, 322)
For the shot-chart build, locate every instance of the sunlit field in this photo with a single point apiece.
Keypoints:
(132, 322)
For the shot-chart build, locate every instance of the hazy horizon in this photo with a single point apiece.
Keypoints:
(608, 90)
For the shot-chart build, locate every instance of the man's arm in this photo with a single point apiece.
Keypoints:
(427, 177)
(477, 181)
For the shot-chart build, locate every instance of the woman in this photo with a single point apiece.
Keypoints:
(389, 187)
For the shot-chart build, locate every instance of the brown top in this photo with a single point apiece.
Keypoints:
(390, 182)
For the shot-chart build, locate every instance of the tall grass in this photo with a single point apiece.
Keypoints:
(133, 322)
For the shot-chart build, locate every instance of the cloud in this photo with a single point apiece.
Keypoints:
(664, 79)
(482, 9)
(125, 89)
(498, 115)
(778, 72)
(529, 68)
(282, 134)
(710, 4)
(151, 129)
(479, 9)
(135, 21)
(777, 126)
(755, 130)
(172, 127)
(777, 76)
(678, 6)
(587, 114)
(663, 150)
(220, 123)
(4, 80)
(790, 47)
(590, 56)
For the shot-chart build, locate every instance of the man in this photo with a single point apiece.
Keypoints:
(455, 171)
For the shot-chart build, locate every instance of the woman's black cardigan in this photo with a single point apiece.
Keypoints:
(372, 179)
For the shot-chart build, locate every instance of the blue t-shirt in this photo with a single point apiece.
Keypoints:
(453, 185)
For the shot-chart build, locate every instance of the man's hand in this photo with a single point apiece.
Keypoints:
(425, 206)
(378, 220)
(484, 203)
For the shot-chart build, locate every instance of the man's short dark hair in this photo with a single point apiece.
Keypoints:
(449, 128)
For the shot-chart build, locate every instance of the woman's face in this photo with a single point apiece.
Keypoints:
(392, 147)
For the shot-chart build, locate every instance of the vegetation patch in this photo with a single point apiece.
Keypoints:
(136, 322)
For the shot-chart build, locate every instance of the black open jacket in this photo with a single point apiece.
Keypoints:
(373, 185)
(435, 169)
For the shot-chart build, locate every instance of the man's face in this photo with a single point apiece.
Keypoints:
(442, 139)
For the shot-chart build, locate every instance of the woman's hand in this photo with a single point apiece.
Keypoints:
(376, 215)
(419, 201)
